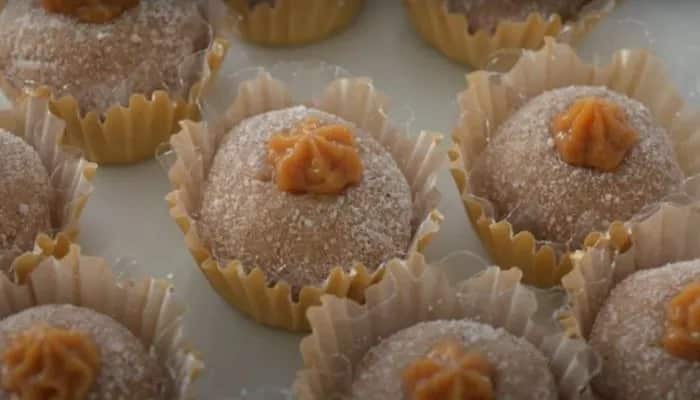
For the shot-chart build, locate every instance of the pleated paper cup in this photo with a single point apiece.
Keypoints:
(258, 91)
(131, 131)
(670, 234)
(70, 177)
(148, 307)
(490, 99)
(449, 31)
(292, 22)
(343, 332)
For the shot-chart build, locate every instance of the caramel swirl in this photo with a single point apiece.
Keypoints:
(448, 372)
(91, 11)
(50, 363)
(682, 338)
(593, 133)
(315, 158)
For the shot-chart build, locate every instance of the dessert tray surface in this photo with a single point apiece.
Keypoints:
(127, 222)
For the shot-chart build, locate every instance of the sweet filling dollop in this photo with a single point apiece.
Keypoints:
(593, 133)
(449, 372)
(50, 363)
(315, 158)
(682, 337)
(91, 11)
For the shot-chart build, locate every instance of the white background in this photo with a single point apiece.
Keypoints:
(127, 217)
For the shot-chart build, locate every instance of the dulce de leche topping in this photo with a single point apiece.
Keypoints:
(682, 338)
(92, 11)
(448, 372)
(593, 133)
(315, 158)
(50, 363)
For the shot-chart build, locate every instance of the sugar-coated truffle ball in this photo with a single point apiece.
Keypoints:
(100, 64)
(300, 238)
(628, 334)
(521, 371)
(24, 197)
(523, 174)
(125, 368)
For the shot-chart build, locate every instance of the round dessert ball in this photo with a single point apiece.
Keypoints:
(486, 14)
(523, 175)
(521, 371)
(24, 197)
(300, 238)
(628, 334)
(100, 64)
(126, 369)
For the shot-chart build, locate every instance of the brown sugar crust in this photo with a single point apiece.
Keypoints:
(521, 372)
(127, 370)
(296, 238)
(100, 64)
(522, 175)
(486, 14)
(25, 196)
(93, 11)
(628, 334)
(45, 362)
(315, 158)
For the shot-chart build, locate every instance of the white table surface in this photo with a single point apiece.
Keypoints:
(127, 217)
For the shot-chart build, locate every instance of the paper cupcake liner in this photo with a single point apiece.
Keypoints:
(671, 234)
(70, 178)
(449, 32)
(293, 22)
(148, 308)
(129, 132)
(413, 292)
(488, 102)
(353, 99)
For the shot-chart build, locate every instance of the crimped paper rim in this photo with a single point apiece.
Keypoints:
(148, 307)
(487, 102)
(449, 32)
(71, 178)
(292, 22)
(354, 99)
(669, 235)
(412, 292)
(124, 134)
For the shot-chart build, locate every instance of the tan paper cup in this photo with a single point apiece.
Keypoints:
(258, 91)
(670, 234)
(148, 308)
(292, 22)
(413, 292)
(449, 32)
(70, 178)
(490, 99)
(131, 131)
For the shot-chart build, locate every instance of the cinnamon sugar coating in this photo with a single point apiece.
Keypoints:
(25, 196)
(300, 238)
(523, 175)
(101, 65)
